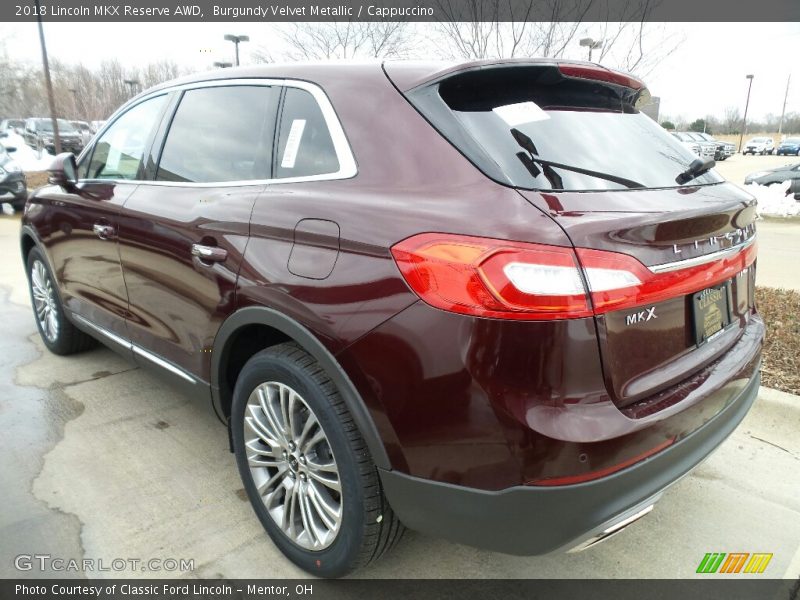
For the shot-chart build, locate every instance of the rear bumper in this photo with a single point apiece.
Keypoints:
(528, 520)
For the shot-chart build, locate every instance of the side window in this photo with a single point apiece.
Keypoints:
(220, 134)
(305, 146)
(118, 153)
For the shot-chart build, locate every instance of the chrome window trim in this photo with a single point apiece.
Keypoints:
(344, 154)
(164, 364)
(701, 260)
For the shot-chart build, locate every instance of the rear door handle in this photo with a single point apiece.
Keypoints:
(209, 253)
(104, 232)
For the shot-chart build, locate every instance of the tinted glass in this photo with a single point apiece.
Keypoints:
(118, 153)
(47, 125)
(519, 116)
(220, 134)
(305, 146)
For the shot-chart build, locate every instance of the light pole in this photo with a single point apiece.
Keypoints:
(47, 82)
(746, 104)
(132, 84)
(223, 65)
(591, 44)
(237, 39)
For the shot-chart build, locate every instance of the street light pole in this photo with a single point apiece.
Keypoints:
(591, 44)
(131, 83)
(785, 98)
(237, 39)
(746, 105)
(47, 82)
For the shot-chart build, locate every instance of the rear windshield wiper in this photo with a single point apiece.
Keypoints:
(697, 167)
(532, 157)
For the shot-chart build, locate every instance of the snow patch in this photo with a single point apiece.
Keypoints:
(773, 200)
(25, 156)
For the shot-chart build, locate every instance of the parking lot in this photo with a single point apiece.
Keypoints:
(103, 461)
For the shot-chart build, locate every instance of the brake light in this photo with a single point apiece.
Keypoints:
(600, 74)
(657, 286)
(493, 278)
(515, 280)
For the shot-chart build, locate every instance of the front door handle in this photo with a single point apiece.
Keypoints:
(104, 232)
(209, 253)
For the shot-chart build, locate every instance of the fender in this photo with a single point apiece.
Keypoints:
(258, 315)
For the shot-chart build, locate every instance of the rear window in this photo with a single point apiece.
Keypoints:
(531, 127)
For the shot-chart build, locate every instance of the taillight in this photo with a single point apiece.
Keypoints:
(493, 278)
(598, 73)
(654, 284)
(516, 280)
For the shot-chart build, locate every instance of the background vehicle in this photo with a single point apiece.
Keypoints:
(16, 125)
(776, 175)
(790, 146)
(84, 129)
(723, 149)
(759, 145)
(407, 301)
(708, 148)
(38, 135)
(688, 142)
(13, 187)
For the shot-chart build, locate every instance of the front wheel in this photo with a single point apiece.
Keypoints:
(305, 466)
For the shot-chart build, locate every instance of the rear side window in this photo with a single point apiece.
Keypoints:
(534, 128)
(118, 153)
(305, 146)
(220, 134)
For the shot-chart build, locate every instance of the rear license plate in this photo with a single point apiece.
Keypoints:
(711, 312)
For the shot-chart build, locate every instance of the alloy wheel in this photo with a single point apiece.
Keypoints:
(44, 301)
(292, 466)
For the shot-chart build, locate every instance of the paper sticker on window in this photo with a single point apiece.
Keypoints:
(522, 112)
(293, 143)
(115, 150)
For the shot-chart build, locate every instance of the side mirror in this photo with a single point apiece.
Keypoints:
(63, 171)
(10, 149)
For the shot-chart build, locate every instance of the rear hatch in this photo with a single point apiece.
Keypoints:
(570, 137)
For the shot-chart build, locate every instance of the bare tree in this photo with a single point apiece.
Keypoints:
(338, 40)
(732, 120)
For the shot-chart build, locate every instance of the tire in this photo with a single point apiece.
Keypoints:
(276, 468)
(58, 334)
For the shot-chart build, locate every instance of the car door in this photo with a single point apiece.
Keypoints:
(81, 232)
(182, 235)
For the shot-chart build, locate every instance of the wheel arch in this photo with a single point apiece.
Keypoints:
(279, 328)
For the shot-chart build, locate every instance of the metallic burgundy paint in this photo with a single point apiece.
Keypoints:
(479, 402)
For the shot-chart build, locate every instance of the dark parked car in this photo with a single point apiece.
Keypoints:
(775, 175)
(39, 135)
(13, 187)
(410, 299)
(789, 146)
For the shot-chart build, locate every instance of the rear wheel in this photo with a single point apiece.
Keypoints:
(58, 334)
(305, 466)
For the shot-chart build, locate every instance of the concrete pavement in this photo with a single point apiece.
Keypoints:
(103, 461)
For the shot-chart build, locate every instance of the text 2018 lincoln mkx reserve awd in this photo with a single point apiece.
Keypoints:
(493, 302)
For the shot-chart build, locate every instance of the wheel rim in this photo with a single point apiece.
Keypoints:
(44, 301)
(292, 465)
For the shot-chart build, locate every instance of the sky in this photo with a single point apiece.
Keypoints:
(702, 77)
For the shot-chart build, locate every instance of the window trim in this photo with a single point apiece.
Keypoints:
(347, 162)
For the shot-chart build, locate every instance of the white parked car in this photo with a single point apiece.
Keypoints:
(687, 141)
(759, 145)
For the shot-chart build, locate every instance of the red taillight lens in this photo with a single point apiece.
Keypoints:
(493, 278)
(597, 73)
(515, 280)
(655, 286)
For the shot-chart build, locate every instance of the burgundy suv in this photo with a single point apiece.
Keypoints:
(492, 302)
